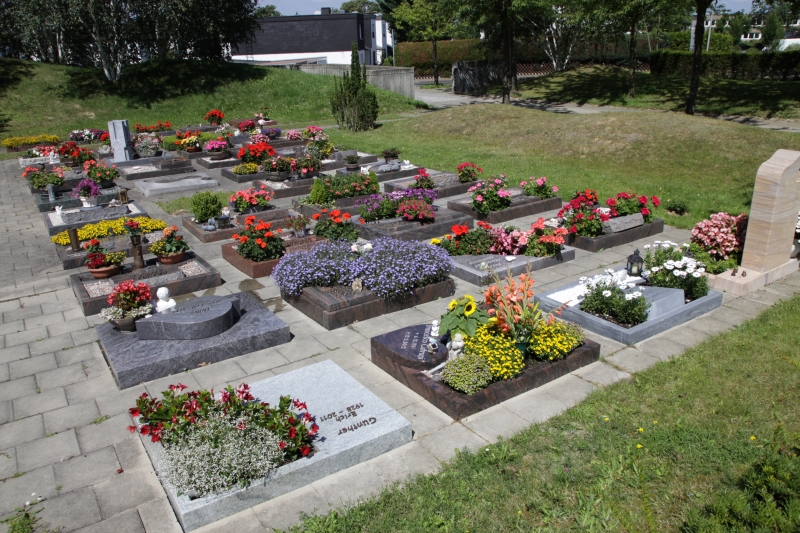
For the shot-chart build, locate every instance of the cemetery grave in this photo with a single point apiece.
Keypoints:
(173, 184)
(191, 274)
(338, 159)
(139, 169)
(520, 206)
(352, 426)
(446, 184)
(260, 269)
(204, 330)
(64, 219)
(412, 230)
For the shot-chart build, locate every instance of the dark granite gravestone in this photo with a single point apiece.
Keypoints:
(134, 360)
(56, 223)
(409, 347)
(67, 201)
(411, 230)
(198, 318)
(521, 206)
(447, 184)
(478, 269)
(604, 242)
(457, 404)
(155, 167)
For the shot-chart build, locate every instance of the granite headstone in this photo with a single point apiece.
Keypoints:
(617, 224)
(120, 136)
(409, 347)
(199, 318)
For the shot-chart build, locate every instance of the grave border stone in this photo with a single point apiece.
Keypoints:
(479, 278)
(604, 242)
(262, 269)
(410, 230)
(521, 206)
(55, 230)
(152, 187)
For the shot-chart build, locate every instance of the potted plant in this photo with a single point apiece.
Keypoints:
(416, 209)
(423, 180)
(281, 168)
(538, 187)
(351, 163)
(308, 166)
(251, 200)
(256, 153)
(134, 230)
(294, 135)
(171, 248)
(273, 133)
(100, 173)
(468, 172)
(129, 302)
(87, 191)
(258, 248)
(219, 148)
(146, 144)
(191, 143)
(100, 263)
(245, 168)
(73, 155)
(299, 224)
(337, 226)
(262, 117)
(247, 126)
(391, 154)
(214, 117)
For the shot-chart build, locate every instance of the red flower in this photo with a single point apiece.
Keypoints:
(134, 412)
(656, 201)
(316, 216)
(132, 429)
(292, 432)
(304, 450)
(645, 211)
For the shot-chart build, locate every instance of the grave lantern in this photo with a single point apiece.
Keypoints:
(123, 195)
(635, 264)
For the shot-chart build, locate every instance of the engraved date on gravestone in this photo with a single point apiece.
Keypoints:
(348, 412)
(353, 427)
(411, 342)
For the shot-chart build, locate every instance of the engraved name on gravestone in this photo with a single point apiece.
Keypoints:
(120, 137)
(409, 347)
(200, 318)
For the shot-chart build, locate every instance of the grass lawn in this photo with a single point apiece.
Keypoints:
(44, 98)
(710, 164)
(694, 417)
(609, 86)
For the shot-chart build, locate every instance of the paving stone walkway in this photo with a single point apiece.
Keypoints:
(63, 420)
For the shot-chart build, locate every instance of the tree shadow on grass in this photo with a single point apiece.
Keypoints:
(12, 71)
(148, 82)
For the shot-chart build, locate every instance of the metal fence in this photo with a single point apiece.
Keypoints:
(530, 70)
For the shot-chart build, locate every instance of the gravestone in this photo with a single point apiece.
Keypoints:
(480, 269)
(185, 183)
(93, 215)
(409, 347)
(120, 136)
(355, 426)
(199, 318)
(617, 224)
(770, 229)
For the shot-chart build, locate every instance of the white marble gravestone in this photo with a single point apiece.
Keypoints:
(120, 136)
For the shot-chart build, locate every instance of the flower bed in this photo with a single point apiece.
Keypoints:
(445, 184)
(490, 353)
(415, 230)
(604, 242)
(335, 285)
(260, 269)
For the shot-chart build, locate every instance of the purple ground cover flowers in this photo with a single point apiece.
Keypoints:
(392, 268)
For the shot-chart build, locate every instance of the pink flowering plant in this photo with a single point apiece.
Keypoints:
(538, 187)
(415, 209)
(246, 199)
(468, 172)
(294, 135)
(721, 236)
(490, 195)
(214, 442)
(626, 203)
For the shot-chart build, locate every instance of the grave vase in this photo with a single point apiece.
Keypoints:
(523, 348)
(104, 272)
(136, 240)
(171, 259)
(87, 201)
(125, 325)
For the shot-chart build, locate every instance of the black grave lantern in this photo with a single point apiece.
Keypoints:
(635, 264)
(123, 195)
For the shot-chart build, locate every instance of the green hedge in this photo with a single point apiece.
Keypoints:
(420, 55)
(679, 41)
(734, 65)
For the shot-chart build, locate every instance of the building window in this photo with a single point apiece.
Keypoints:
(360, 33)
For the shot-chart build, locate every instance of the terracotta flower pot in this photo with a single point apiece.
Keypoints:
(171, 259)
(193, 149)
(104, 272)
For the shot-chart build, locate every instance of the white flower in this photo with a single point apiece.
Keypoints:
(629, 296)
(658, 242)
(631, 285)
(685, 245)
(689, 270)
(656, 269)
(677, 273)
(606, 293)
(636, 294)
(583, 279)
(609, 271)
(701, 270)
(646, 246)
(368, 247)
(696, 274)
(354, 248)
(669, 267)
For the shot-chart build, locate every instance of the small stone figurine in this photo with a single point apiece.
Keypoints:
(455, 347)
(211, 225)
(164, 301)
(435, 329)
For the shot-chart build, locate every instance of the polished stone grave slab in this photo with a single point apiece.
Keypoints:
(198, 318)
(210, 163)
(337, 161)
(390, 352)
(478, 269)
(386, 175)
(604, 242)
(135, 361)
(666, 314)
(65, 200)
(155, 168)
(190, 275)
(171, 184)
(284, 189)
(77, 218)
(354, 426)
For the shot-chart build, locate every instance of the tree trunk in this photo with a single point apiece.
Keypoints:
(632, 59)
(506, 45)
(697, 62)
(435, 64)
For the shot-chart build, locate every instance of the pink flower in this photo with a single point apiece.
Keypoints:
(541, 181)
(498, 181)
(555, 189)
(523, 183)
(479, 198)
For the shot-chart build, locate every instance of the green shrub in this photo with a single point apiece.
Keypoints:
(755, 66)
(720, 42)
(353, 103)
(206, 205)
(318, 195)
(678, 207)
(713, 265)
(468, 373)
(420, 55)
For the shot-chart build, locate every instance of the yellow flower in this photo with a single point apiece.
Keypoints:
(469, 308)
(469, 297)
(606, 419)
(752, 437)
(655, 422)
(436, 241)
(639, 446)
(452, 305)
(640, 430)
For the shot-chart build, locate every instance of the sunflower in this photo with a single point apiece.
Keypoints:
(469, 298)
(452, 305)
(469, 308)
(436, 241)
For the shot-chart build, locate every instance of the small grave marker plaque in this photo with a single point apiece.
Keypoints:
(409, 347)
(199, 318)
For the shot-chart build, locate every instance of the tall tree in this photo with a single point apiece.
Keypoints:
(738, 25)
(426, 20)
(559, 26)
(772, 32)
(359, 6)
(697, 60)
(266, 11)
